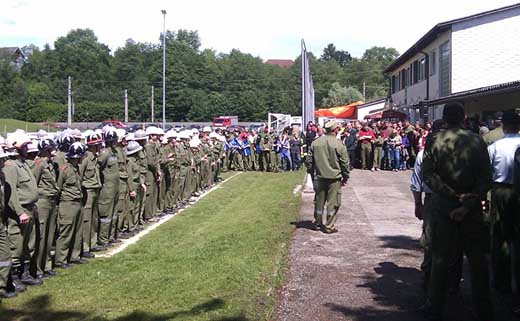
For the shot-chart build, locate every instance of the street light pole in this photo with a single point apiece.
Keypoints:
(164, 72)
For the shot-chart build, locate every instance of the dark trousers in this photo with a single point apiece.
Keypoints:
(447, 238)
(352, 157)
(505, 239)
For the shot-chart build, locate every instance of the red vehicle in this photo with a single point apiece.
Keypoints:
(225, 121)
(114, 123)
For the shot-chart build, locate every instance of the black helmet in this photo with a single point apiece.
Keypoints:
(65, 142)
(76, 150)
(94, 139)
(111, 136)
(46, 144)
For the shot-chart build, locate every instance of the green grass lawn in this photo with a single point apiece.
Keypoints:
(10, 125)
(222, 259)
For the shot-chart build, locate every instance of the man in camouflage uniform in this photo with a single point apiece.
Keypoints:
(153, 173)
(456, 167)
(122, 211)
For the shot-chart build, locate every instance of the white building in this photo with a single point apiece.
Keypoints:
(370, 107)
(474, 60)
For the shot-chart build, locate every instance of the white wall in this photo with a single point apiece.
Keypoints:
(417, 92)
(486, 51)
(363, 111)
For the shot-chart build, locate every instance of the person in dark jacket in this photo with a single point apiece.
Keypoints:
(350, 141)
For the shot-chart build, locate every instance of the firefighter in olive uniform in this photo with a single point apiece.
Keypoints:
(69, 210)
(109, 193)
(6, 290)
(91, 183)
(327, 161)
(21, 210)
(45, 172)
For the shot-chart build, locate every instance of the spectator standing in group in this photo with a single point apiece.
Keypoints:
(351, 142)
(505, 250)
(378, 152)
(394, 150)
(296, 151)
(366, 137)
(405, 145)
(285, 154)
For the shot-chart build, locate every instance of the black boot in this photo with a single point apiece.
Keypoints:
(16, 284)
(26, 277)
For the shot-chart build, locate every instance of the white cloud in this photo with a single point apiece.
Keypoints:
(269, 28)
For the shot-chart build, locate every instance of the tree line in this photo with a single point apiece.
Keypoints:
(200, 84)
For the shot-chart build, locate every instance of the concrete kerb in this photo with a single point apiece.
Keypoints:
(125, 243)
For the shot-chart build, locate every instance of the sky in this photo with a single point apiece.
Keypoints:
(270, 29)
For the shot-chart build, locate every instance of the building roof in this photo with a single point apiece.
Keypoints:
(435, 31)
(284, 63)
(371, 103)
(10, 51)
(483, 91)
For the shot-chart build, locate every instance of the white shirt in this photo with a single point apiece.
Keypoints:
(502, 156)
(416, 181)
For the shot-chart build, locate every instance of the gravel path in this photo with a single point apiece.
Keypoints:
(370, 269)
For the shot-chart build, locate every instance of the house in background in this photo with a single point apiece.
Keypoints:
(284, 63)
(474, 60)
(14, 55)
(370, 107)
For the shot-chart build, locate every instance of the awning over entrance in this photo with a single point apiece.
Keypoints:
(492, 98)
(348, 111)
(387, 114)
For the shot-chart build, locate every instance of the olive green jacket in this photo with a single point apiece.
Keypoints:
(327, 158)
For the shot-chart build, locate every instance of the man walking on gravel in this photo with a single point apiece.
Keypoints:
(327, 161)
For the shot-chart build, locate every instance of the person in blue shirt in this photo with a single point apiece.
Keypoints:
(246, 150)
(285, 155)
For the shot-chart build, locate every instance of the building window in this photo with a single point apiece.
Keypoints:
(444, 69)
(433, 62)
(422, 66)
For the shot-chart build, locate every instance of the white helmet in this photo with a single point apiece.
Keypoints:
(121, 133)
(76, 133)
(213, 135)
(2, 141)
(3, 153)
(108, 128)
(170, 134)
(87, 133)
(206, 129)
(132, 148)
(42, 134)
(33, 147)
(194, 143)
(18, 139)
(195, 131)
(140, 135)
(152, 130)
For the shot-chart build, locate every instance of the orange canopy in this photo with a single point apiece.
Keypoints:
(348, 111)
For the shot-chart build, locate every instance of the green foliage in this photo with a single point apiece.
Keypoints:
(200, 84)
(340, 96)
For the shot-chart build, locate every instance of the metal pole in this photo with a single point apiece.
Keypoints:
(364, 91)
(164, 72)
(304, 117)
(69, 100)
(153, 112)
(126, 106)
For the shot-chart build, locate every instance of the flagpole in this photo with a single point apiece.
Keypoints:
(303, 56)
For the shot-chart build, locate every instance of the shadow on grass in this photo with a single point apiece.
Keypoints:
(38, 309)
(402, 242)
(309, 225)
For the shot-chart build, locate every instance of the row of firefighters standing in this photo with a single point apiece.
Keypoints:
(77, 199)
